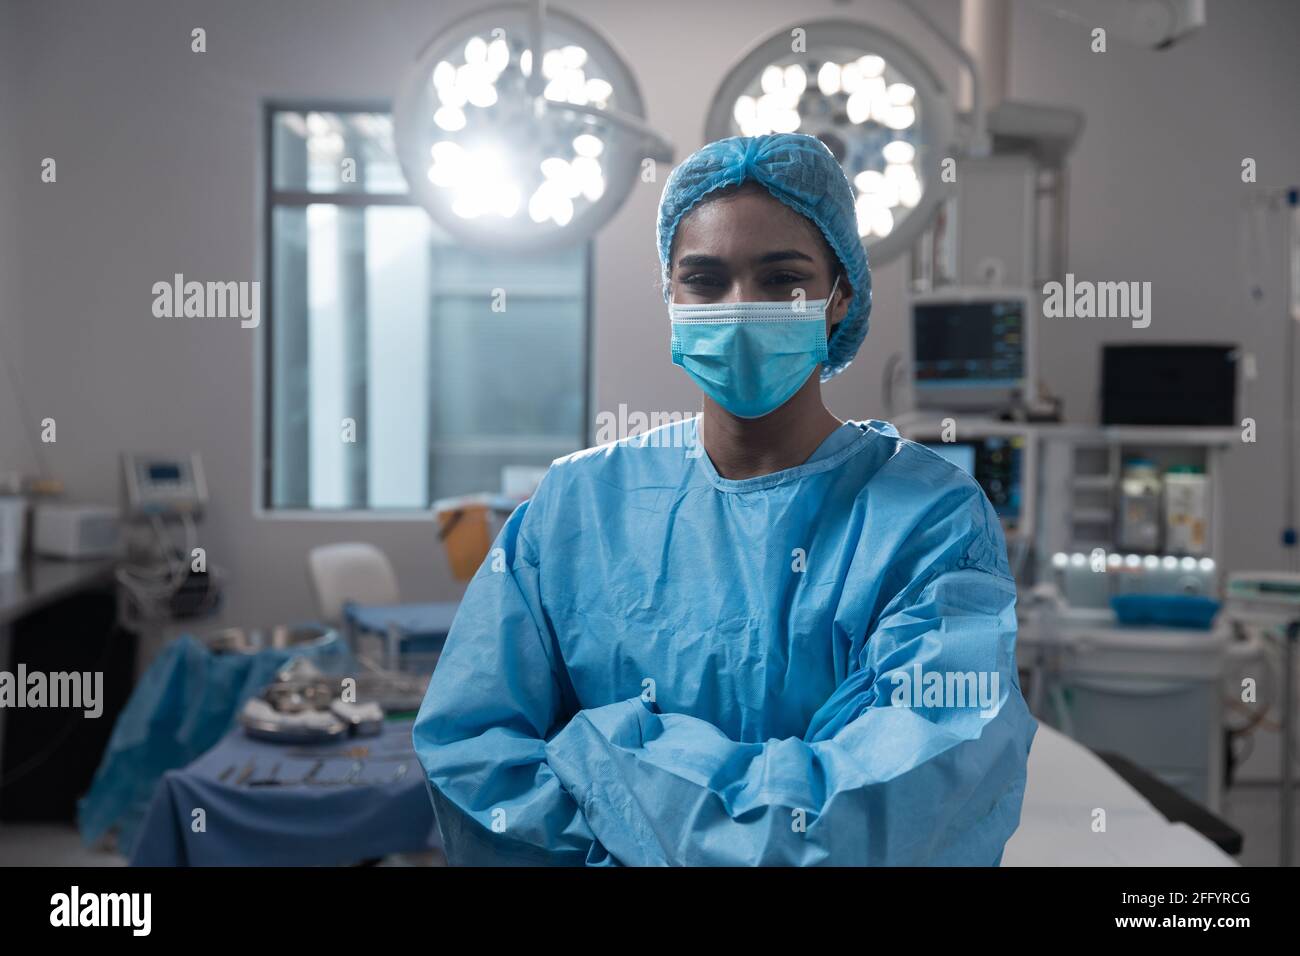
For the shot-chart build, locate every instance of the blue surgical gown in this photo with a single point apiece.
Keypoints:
(659, 666)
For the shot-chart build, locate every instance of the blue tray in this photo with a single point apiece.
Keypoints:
(1189, 611)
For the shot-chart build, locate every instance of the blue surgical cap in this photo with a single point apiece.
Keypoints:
(800, 171)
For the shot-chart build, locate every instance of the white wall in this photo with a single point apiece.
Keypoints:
(158, 170)
(16, 453)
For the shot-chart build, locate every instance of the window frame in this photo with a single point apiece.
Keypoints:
(269, 199)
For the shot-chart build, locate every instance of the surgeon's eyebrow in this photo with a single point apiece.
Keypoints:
(706, 262)
(714, 262)
(783, 255)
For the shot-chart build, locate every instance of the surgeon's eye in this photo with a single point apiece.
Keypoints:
(785, 278)
(702, 280)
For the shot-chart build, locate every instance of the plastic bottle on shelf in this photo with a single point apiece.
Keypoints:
(1187, 511)
(1139, 506)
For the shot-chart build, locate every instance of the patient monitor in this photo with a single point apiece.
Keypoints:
(971, 349)
(164, 485)
(165, 579)
(998, 464)
(1002, 464)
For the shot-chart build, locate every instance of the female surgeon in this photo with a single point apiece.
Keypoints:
(758, 636)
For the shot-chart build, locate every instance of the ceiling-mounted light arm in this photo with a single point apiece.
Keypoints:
(979, 144)
(656, 147)
(536, 33)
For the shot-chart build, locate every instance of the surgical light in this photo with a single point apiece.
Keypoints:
(876, 104)
(520, 127)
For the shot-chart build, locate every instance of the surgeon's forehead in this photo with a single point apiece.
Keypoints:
(745, 227)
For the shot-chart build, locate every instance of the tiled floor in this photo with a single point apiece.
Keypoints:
(49, 844)
(1252, 809)
(52, 844)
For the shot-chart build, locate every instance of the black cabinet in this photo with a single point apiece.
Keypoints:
(50, 753)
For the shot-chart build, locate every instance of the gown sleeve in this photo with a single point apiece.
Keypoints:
(884, 775)
(494, 700)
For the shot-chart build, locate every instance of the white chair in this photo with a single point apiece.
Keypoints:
(350, 571)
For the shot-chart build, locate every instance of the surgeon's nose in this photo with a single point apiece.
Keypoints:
(743, 290)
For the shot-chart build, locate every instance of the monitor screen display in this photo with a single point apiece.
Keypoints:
(969, 343)
(998, 463)
(995, 463)
(164, 472)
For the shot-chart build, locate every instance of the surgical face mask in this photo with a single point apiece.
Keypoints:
(750, 357)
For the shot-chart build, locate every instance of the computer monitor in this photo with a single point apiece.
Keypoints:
(1169, 384)
(971, 348)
